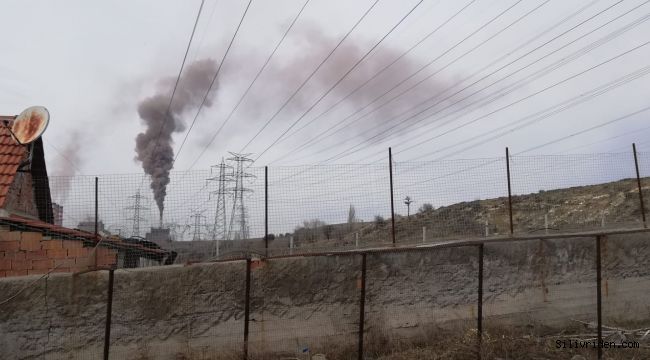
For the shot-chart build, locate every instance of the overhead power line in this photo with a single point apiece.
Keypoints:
(340, 79)
(621, 118)
(541, 115)
(367, 143)
(293, 95)
(383, 69)
(214, 78)
(178, 78)
(544, 71)
(571, 57)
(324, 134)
(618, 136)
(268, 59)
(592, 128)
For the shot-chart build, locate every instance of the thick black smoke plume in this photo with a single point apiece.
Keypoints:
(154, 146)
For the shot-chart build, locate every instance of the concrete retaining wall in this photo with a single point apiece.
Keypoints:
(197, 311)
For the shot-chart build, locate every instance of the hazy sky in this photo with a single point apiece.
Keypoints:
(501, 73)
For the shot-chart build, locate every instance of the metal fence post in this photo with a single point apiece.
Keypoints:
(599, 304)
(638, 182)
(479, 320)
(96, 217)
(509, 191)
(362, 306)
(247, 302)
(96, 205)
(392, 202)
(109, 311)
(266, 210)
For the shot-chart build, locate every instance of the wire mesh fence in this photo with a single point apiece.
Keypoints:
(234, 209)
(267, 286)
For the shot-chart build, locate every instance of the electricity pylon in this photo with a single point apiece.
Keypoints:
(219, 228)
(198, 225)
(136, 207)
(238, 228)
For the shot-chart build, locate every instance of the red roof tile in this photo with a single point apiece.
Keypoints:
(11, 154)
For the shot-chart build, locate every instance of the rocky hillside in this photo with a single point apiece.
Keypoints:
(608, 205)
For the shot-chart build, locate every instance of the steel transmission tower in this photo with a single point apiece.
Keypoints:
(238, 228)
(219, 229)
(198, 225)
(136, 207)
(220, 226)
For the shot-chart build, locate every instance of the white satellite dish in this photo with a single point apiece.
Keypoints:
(30, 124)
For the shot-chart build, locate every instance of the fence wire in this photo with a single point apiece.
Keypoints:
(236, 210)
(221, 217)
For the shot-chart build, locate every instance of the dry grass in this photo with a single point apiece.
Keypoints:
(440, 344)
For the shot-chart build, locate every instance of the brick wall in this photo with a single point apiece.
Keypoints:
(29, 253)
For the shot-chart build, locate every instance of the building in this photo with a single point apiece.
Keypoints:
(32, 241)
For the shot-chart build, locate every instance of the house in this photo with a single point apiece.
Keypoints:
(32, 240)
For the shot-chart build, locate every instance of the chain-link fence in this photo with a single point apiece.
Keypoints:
(384, 258)
(236, 209)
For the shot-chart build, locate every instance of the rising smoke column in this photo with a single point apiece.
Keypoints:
(154, 145)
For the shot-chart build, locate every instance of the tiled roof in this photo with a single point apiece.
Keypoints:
(73, 234)
(11, 154)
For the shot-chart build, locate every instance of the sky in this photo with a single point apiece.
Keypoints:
(500, 73)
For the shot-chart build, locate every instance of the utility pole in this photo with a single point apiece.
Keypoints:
(408, 203)
(238, 216)
(136, 208)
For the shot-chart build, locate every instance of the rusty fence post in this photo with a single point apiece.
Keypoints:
(109, 312)
(479, 320)
(599, 300)
(638, 182)
(96, 206)
(362, 306)
(512, 228)
(392, 202)
(266, 210)
(247, 302)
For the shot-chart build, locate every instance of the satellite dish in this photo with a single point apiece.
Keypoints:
(30, 124)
